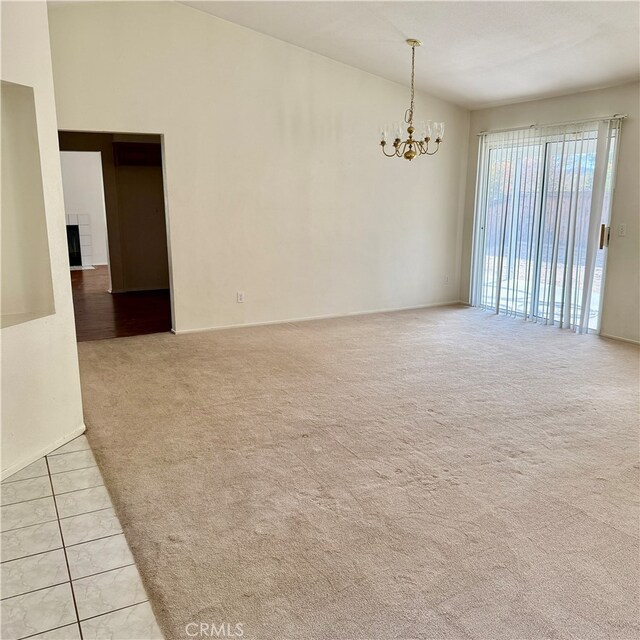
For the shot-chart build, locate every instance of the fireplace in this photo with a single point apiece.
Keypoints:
(79, 240)
(73, 243)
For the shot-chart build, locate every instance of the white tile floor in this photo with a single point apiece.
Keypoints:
(67, 572)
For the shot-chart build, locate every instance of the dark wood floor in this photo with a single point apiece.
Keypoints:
(100, 314)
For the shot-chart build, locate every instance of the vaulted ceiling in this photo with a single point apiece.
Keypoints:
(475, 54)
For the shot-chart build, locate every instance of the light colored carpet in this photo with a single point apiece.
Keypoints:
(440, 473)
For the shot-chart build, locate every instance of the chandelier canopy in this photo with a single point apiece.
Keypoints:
(413, 147)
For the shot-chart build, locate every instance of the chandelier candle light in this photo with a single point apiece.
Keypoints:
(412, 147)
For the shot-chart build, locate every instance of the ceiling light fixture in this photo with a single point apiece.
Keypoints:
(410, 148)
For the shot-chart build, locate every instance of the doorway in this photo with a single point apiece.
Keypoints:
(541, 223)
(117, 233)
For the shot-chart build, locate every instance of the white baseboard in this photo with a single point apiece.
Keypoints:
(619, 339)
(310, 318)
(14, 468)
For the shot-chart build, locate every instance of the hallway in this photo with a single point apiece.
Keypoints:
(100, 314)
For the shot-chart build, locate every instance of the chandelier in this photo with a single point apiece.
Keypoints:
(412, 147)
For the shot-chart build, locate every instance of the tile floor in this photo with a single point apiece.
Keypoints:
(67, 572)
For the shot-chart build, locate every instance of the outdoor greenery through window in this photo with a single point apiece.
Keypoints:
(541, 198)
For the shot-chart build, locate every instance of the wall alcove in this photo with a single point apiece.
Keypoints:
(27, 288)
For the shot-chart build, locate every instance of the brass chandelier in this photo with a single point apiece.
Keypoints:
(413, 147)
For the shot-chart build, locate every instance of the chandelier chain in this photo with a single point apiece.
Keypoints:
(413, 75)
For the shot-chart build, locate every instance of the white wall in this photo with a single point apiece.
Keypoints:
(84, 194)
(275, 182)
(41, 403)
(621, 304)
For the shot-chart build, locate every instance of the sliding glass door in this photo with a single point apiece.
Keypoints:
(541, 197)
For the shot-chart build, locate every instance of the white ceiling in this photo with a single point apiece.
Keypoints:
(475, 53)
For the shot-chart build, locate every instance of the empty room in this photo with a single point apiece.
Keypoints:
(320, 320)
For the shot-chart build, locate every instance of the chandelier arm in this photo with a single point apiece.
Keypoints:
(389, 155)
(433, 153)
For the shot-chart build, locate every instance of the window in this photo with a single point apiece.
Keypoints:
(541, 198)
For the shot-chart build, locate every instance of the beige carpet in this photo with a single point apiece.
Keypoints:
(440, 473)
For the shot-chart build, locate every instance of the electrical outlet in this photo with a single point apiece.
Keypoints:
(446, 279)
(240, 296)
(622, 230)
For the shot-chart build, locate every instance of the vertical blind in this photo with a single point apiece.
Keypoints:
(541, 196)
